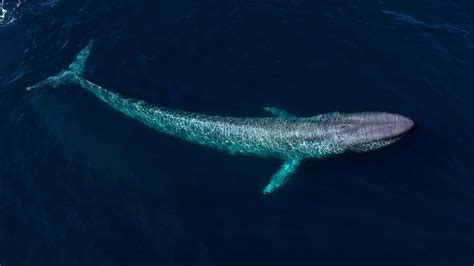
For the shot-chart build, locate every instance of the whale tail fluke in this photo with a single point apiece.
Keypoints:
(72, 73)
(78, 65)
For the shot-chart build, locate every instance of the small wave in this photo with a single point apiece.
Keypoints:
(404, 17)
(6, 15)
(2, 12)
(419, 23)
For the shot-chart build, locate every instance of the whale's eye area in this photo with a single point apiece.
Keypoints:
(346, 128)
(343, 126)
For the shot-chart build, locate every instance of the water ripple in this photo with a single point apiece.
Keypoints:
(420, 23)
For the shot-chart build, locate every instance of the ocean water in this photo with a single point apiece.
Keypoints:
(81, 184)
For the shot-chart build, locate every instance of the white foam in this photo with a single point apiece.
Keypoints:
(2, 11)
(4, 19)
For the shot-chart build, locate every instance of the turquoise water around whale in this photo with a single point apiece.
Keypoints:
(81, 184)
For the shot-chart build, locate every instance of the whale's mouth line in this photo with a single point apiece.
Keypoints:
(373, 145)
(388, 139)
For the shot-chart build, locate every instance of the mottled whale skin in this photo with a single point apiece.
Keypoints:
(285, 136)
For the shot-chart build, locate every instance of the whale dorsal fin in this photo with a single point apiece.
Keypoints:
(279, 112)
(283, 174)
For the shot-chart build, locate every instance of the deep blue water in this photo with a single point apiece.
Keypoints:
(81, 184)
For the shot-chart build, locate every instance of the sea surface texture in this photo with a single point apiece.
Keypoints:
(82, 184)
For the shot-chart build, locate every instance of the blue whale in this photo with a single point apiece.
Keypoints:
(284, 135)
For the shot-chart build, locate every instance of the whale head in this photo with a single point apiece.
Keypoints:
(361, 132)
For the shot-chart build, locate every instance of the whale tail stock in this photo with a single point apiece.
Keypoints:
(72, 73)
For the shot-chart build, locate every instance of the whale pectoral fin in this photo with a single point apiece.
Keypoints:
(278, 112)
(282, 176)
